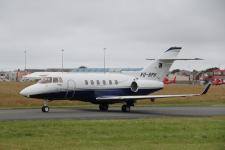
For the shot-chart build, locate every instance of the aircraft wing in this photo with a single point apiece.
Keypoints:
(152, 96)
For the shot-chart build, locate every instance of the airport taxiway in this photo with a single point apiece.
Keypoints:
(113, 113)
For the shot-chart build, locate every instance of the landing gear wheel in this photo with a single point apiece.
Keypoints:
(45, 109)
(103, 107)
(126, 108)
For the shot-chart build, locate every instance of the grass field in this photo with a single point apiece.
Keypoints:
(164, 133)
(9, 96)
(155, 133)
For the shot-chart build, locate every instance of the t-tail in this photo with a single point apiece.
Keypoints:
(160, 67)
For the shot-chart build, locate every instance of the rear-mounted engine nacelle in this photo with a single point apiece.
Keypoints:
(145, 84)
(134, 87)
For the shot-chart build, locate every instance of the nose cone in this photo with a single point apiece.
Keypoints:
(24, 92)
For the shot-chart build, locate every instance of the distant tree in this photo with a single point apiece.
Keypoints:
(211, 69)
(82, 67)
(175, 71)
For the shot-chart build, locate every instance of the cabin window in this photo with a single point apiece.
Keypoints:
(86, 82)
(160, 65)
(98, 82)
(46, 80)
(116, 82)
(55, 80)
(92, 82)
(104, 83)
(110, 82)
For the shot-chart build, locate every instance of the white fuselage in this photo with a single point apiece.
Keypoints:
(89, 86)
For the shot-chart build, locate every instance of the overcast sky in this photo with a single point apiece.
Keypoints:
(131, 30)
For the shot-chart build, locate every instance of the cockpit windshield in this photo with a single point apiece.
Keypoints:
(51, 80)
(46, 80)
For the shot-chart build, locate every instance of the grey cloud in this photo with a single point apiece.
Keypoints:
(130, 29)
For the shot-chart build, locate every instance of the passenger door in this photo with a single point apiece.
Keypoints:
(71, 85)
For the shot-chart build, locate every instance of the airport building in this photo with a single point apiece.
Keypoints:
(182, 76)
(212, 75)
(8, 76)
(101, 70)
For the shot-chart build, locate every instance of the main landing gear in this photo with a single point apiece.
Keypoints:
(126, 107)
(103, 107)
(45, 107)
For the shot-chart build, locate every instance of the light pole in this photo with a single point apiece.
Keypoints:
(104, 49)
(25, 60)
(62, 59)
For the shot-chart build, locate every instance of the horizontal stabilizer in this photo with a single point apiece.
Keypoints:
(177, 59)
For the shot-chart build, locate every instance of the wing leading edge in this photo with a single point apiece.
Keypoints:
(152, 96)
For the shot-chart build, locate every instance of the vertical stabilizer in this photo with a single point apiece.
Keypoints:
(160, 67)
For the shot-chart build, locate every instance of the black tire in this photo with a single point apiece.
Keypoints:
(125, 108)
(45, 109)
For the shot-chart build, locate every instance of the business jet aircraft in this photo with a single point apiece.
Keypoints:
(108, 88)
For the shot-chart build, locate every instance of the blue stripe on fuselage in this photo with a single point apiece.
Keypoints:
(90, 95)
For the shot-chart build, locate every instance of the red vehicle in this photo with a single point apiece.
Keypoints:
(218, 82)
(217, 77)
(167, 81)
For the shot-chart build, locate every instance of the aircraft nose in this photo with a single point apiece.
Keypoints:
(24, 92)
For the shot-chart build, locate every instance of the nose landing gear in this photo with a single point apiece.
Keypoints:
(45, 107)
